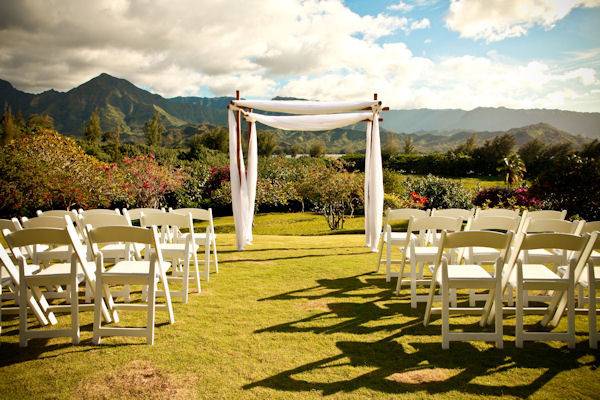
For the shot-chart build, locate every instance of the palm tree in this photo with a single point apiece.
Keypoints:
(514, 169)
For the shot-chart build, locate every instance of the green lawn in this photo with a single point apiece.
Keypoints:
(295, 317)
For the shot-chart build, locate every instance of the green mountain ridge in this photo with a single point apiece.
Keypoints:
(121, 103)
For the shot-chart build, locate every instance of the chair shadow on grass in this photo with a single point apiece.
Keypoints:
(400, 363)
(424, 367)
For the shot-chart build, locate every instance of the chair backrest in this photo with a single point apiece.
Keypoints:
(558, 241)
(591, 226)
(199, 214)
(545, 214)
(464, 239)
(454, 213)
(35, 236)
(45, 222)
(97, 220)
(125, 234)
(101, 211)
(496, 212)
(404, 214)
(7, 224)
(79, 248)
(167, 220)
(55, 213)
(482, 222)
(552, 226)
(5, 259)
(136, 213)
(428, 224)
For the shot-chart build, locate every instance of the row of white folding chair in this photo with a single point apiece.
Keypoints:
(522, 276)
(79, 269)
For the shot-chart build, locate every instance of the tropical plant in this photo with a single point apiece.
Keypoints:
(435, 192)
(513, 169)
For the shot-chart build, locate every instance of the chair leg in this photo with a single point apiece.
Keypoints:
(380, 253)
(592, 316)
(98, 310)
(498, 317)
(207, 260)
(471, 297)
(453, 298)
(571, 314)
(165, 284)
(401, 275)
(214, 243)
(580, 297)
(519, 316)
(445, 316)
(23, 312)
(151, 310)
(413, 283)
(197, 269)
(74, 298)
(388, 261)
(186, 278)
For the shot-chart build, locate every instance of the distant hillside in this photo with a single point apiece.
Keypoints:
(122, 103)
(489, 119)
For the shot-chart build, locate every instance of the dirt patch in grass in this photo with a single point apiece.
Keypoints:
(137, 380)
(425, 375)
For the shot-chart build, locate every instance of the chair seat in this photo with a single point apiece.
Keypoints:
(133, 268)
(424, 251)
(58, 272)
(535, 272)
(30, 269)
(583, 279)
(481, 251)
(168, 249)
(464, 272)
(62, 252)
(542, 252)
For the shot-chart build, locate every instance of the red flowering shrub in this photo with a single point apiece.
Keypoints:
(506, 198)
(418, 199)
(146, 182)
(46, 170)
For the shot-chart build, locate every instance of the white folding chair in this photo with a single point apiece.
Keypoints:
(448, 276)
(68, 274)
(542, 214)
(135, 214)
(56, 213)
(419, 254)
(526, 277)
(389, 238)
(199, 237)
(99, 211)
(496, 212)
(148, 273)
(10, 279)
(178, 251)
(44, 255)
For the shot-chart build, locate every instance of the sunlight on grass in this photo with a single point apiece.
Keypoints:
(297, 318)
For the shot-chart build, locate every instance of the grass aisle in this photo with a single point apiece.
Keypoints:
(294, 317)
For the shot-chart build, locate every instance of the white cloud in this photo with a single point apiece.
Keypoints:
(311, 49)
(400, 6)
(420, 24)
(495, 20)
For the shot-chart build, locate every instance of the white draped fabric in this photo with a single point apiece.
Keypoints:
(330, 116)
(310, 122)
(307, 107)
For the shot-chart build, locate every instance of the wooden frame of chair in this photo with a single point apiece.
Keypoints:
(539, 277)
(389, 238)
(586, 275)
(34, 298)
(94, 211)
(462, 213)
(419, 254)
(44, 256)
(200, 238)
(65, 274)
(146, 273)
(496, 212)
(56, 213)
(455, 276)
(176, 251)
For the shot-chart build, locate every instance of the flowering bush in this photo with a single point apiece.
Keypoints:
(432, 191)
(506, 198)
(46, 170)
(147, 182)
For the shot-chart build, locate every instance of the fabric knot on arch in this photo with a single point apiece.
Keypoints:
(305, 116)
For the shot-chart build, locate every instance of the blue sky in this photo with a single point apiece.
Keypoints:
(415, 54)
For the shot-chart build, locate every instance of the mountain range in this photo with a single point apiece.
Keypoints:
(121, 103)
